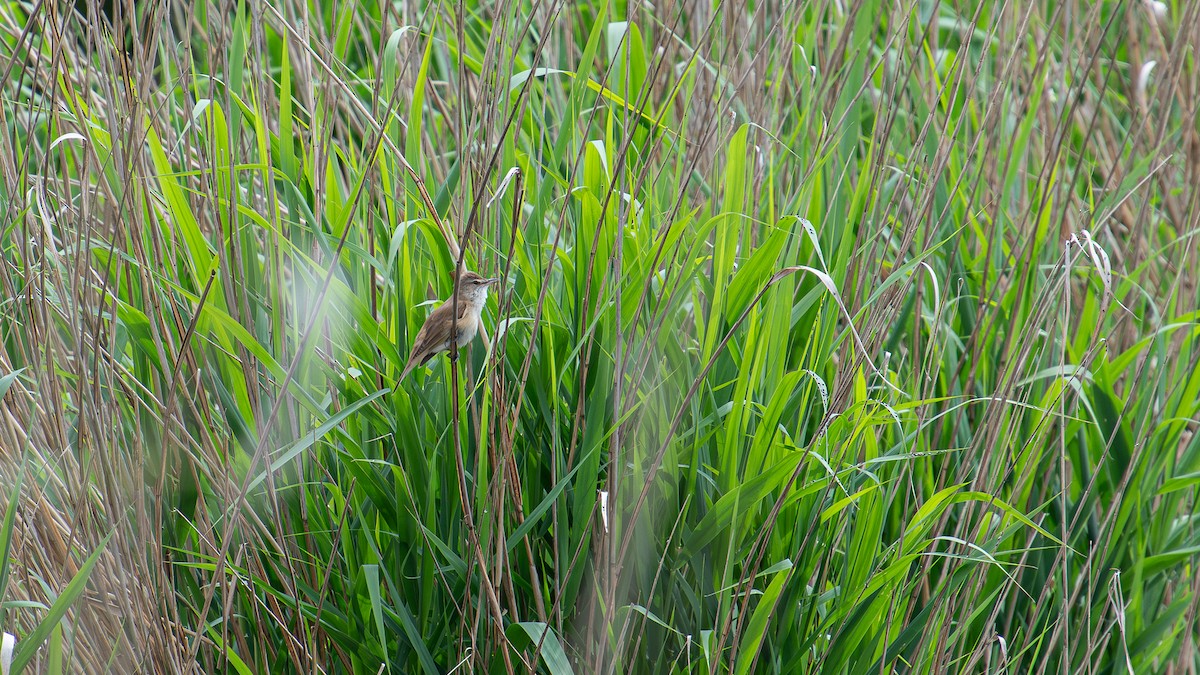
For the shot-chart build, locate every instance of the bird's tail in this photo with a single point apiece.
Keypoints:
(412, 364)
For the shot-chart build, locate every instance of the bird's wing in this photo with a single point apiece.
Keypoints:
(429, 337)
(434, 333)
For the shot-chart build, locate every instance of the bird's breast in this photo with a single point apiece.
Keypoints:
(468, 326)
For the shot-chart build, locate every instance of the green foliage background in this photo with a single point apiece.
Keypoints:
(833, 337)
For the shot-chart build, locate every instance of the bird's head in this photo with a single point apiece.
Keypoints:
(473, 288)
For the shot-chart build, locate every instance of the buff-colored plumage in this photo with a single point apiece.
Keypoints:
(434, 336)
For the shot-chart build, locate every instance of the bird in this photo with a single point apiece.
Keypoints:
(434, 336)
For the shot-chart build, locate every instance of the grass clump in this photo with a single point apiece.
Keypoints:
(849, 337)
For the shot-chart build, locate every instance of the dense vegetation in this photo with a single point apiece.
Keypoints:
(832, 337)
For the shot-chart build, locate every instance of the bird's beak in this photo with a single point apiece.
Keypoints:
(489, 282)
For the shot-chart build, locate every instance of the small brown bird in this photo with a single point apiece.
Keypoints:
(434, 336)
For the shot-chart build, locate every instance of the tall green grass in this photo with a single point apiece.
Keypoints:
(833, 337)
